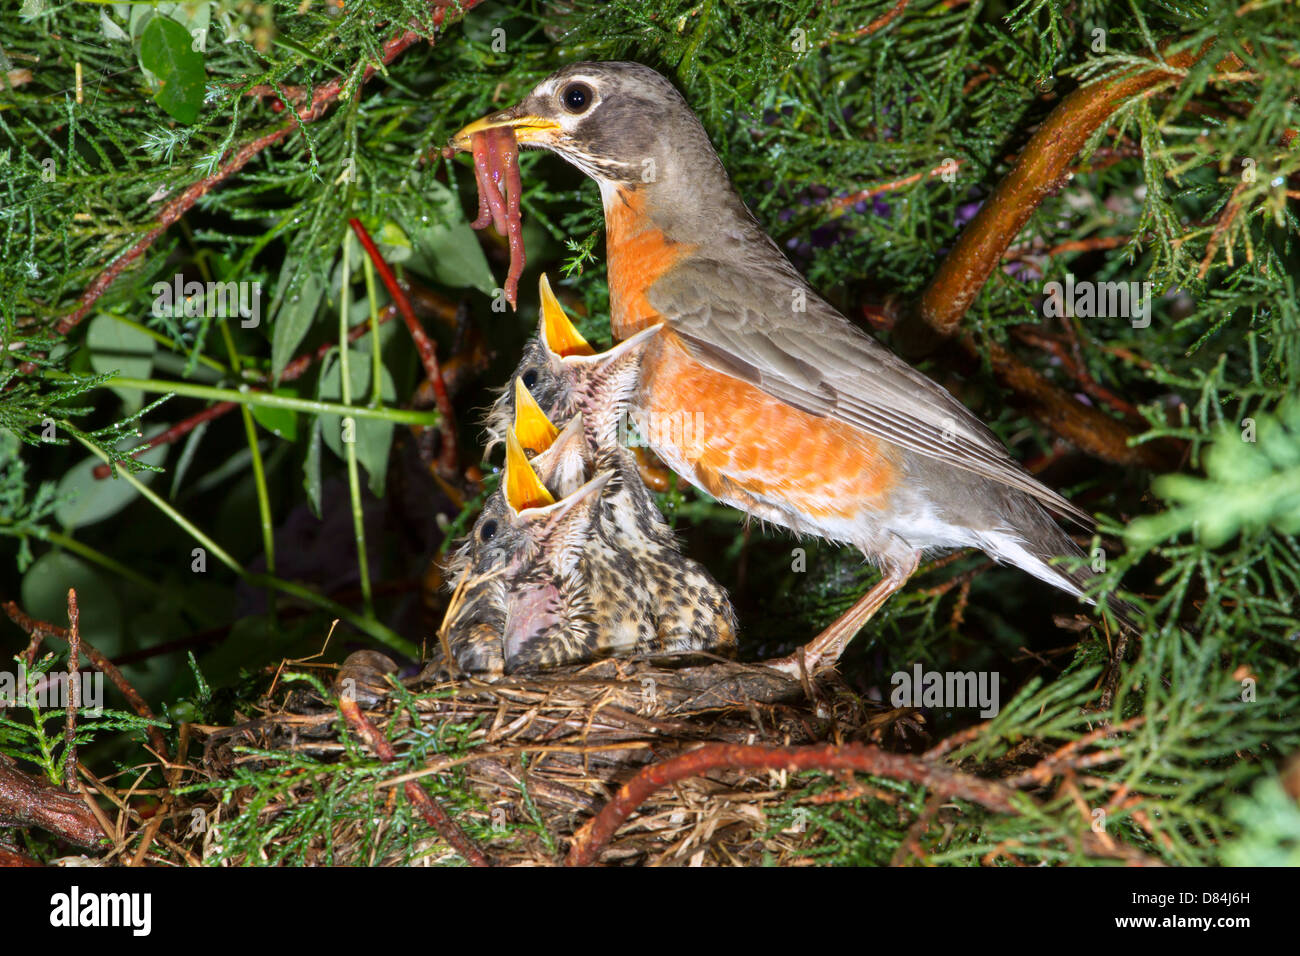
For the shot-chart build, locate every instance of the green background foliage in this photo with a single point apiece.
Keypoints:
(803, 105)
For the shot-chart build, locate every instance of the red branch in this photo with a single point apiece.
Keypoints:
(40, 630)
(423, 345)
(596, 833)
(434, 814)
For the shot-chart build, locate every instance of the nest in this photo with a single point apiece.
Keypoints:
(553, 748)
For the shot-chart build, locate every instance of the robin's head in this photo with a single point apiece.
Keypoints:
(621, 123)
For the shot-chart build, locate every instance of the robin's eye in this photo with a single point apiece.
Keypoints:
(530, 378)
(489, 530)
(576, 97)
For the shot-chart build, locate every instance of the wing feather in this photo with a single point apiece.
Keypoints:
(824, 365)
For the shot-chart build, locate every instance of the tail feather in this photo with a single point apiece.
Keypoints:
(1035, 553)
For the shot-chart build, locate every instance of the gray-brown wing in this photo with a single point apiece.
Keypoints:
(817, 361)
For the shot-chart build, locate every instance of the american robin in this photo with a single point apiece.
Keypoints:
(519, 598)
(568, 377)
(795, 415)
(597, 573)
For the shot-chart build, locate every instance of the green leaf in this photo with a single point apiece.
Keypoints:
(445, 246)
(85, 499)
(280, 422)
(292, 320)
(311, 481)
(116, 347)
(175, 68)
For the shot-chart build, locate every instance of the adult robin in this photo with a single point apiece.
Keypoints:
(796, 416)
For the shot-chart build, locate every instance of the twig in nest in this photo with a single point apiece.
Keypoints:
(74, 692)
(434, 814)
(173, 778)
(423, 345)
(596, 833)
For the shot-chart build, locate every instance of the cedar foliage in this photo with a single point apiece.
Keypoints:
(1191, 188)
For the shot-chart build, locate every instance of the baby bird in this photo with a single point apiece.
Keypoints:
(521, 598)
(566, 376)
(597, 573)
(644, 589)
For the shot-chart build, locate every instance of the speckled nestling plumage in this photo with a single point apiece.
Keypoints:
(608, 579)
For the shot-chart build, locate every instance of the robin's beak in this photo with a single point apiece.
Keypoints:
(528, 127)
(524, 489)
(535, 431)
(559, 335)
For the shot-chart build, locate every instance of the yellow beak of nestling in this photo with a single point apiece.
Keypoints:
(528, 128)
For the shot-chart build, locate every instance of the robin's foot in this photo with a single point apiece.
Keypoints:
(824, 650)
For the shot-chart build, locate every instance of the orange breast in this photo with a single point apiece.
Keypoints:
(638, 253)
(730, 437)
(740, 441)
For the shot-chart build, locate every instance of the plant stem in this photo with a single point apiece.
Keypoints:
(366, 625)
(248, 396)
(349, 427)
(259, 470)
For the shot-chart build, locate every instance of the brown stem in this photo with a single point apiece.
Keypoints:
(26, 801)
(429, 808)
(862, 758)
(1039, 170)
(44, 629)
(11, 857)
(423, 345)
(1086, 427)
(74, 692)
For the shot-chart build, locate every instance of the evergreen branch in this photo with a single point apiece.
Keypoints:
(1037, 173)
(429, 808)
(40, 631)
(321, 100)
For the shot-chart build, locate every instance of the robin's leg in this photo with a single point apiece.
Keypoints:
(825, 649)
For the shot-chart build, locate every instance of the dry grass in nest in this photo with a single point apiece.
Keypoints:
(554, 748)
